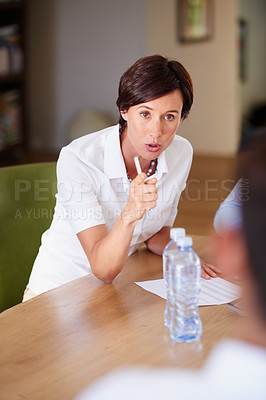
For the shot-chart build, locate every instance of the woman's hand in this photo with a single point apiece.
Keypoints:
(102, 246)
(142, 197)
(209, 271)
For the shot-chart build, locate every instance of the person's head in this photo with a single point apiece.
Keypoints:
(253, 172)
(243, 251)
(150, 78)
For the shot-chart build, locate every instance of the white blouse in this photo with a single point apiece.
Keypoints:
(93, 189)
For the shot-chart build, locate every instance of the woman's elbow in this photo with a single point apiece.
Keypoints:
(107, 280)
(104, 276)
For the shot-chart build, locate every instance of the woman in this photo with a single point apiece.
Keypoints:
(104, 210)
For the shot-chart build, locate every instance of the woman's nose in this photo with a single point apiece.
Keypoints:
(156, 130)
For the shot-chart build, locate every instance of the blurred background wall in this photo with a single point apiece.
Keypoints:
(253, 90)
(78, 49)
(214, 123)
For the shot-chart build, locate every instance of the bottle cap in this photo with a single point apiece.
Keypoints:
(185, 241)
(176, 233)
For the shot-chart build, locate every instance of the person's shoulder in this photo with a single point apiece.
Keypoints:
(181, 143)
(180, 151)
(90, 147)
(242, 366)
(242, 351)
(95, 139)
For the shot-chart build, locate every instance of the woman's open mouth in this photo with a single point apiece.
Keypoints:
(153, 147)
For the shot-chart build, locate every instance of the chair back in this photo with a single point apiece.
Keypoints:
(27, 200)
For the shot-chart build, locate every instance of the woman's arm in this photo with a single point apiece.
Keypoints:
(157, 242)
(107, 252)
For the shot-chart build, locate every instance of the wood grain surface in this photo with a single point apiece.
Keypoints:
(57, 343)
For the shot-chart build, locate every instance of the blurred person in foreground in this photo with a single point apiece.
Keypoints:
(236, 369)
(104, 209)
(228, 217)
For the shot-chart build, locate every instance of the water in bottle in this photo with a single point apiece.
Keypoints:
(186, 323)
(168, 262)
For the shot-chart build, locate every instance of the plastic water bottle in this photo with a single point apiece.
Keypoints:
(168, 262)
(186, 324)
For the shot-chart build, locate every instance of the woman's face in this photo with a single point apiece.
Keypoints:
(151, 126)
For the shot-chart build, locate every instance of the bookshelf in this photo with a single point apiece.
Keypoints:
(12, 81)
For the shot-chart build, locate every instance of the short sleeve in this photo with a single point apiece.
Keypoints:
(77, 192)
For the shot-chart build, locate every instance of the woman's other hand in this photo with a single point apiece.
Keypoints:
(209, 271)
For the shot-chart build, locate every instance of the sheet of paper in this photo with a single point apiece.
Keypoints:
(213, 292)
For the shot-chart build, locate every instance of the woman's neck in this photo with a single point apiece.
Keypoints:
(128, 153)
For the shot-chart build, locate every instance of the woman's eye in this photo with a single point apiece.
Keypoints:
(144, 114)
(169, 117)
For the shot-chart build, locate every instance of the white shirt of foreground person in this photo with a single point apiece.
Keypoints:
(93, 189)
(234, 371)
(228, 216)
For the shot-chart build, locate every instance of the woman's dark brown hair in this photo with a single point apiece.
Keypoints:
(253, 172)
(150, 78)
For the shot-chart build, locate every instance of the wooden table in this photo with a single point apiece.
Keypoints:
(54, 345)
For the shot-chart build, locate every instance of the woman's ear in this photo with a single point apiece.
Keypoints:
(123, 114)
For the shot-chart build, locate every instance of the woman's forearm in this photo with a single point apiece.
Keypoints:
(157, 242)
(109, 251)
(109, 255)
